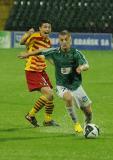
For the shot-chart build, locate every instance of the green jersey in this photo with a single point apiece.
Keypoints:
(65, 66)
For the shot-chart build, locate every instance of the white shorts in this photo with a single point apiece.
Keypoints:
(79, 95)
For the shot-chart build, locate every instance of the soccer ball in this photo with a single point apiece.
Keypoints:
(91, 131)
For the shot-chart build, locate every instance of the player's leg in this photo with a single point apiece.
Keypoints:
(35, 81)
(39, 81)
(37, 107)
(45, 100)
(32, 78)
(84, 103)
(49, 106)
(67, 97)
(88, 113)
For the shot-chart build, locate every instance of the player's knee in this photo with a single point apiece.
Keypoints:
(87, 109)
(68, 98)
(47, 92)
(49, 95)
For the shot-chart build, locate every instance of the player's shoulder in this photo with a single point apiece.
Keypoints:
(76, 51)
(35, 34)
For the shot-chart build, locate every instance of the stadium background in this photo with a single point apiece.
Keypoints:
(91, 24)
(77, 16)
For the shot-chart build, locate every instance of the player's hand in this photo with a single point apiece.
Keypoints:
(23, 56)
(79, 69)
(31, 30)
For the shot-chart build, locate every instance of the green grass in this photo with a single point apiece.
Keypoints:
(19, 141)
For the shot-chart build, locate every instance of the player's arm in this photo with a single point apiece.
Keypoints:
(82, 63)
(44, 52)
(27, 54)
(26, 36)
(81, 68)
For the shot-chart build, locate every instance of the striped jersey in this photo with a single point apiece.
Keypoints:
(35, 42)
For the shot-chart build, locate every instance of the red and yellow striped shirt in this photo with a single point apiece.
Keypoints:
(35, 42)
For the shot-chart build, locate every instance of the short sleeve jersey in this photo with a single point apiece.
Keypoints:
(35, 42)
(65, 66)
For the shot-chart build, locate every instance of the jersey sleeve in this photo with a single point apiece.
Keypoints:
(29, 39)
(24, 39)
(80, 58)
(48, 53)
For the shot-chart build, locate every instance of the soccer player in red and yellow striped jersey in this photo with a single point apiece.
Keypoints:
(36, 77)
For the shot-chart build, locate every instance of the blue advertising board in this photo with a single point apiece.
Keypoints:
(87, 41)
(16, 36)
(82, 41)
(92, 41)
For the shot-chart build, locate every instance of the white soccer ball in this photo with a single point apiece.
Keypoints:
(91, 131)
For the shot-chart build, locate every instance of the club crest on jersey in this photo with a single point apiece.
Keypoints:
(84, 99)
(66, 70)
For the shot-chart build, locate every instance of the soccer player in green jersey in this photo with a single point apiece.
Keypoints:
(69, 63)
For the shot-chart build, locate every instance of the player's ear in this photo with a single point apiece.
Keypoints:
(70, 41)
(39, 28)
(58, 38)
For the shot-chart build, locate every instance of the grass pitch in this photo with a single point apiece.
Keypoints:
(20, 141)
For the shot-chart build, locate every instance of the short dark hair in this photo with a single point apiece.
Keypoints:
(42, 21)
(65, 32)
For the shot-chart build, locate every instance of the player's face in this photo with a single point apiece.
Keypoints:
(45, 29)
(65, 42)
